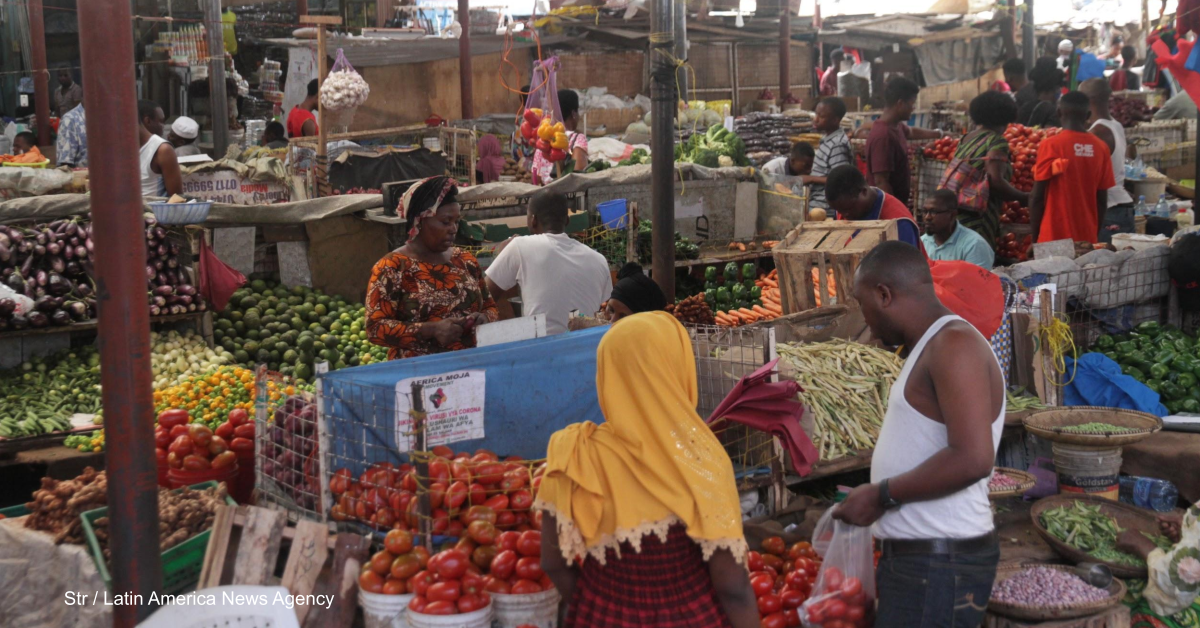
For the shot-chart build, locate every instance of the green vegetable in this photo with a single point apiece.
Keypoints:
(708, 147)
(731, 271)
(1105, 342)
(1190, 406)
(1088, 529)
(1171, 391)
(1159, 371)
(723, 295)
(710, 296)
(756, 292)
(738, 291)
(1133, 372)
(1125, 348)
(1097, 428)
(1186, 380)
(710, 273)
(1019, 402)
(1112, 356)
(1149, 328)
(1164, 357)
(637, 157)
(749, 272)
(1154, 384)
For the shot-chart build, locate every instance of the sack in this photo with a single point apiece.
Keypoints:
(968, 180)
(970, 292)
(218, 280)
(845, 587)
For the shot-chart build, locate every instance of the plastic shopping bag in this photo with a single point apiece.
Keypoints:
(218, 280)
(844, 591)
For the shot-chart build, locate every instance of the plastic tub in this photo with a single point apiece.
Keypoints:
(181, 213)
(384, 611)
(536, 609)
(179, 478)
(481, 618)
(1089, 470)
(613, 213)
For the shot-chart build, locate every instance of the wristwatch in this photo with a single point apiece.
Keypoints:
(885, 497)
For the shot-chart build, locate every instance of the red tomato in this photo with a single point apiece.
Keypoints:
(482, 532)
(515, 480)
(854, 614)
(177, 431)
(448, 591)
(754, 561)
(530, 543)
(245, 445)
(489, 474)
(418, 604)
(525, 587)
(370, 581)
(484, 455)
(456, 495)
(160, 456)
(506, 519)
(503, 564)
(773, 562)
(399, 543)
(225, 430)
(773, 620)
(545, 583)
(835, 609)
(480, 513)
(182, 446)
(483, 556)
(799, 579)
(405, 566)
(422, 554)
(792, 598)
(473, 583)
(162, 438)
(833, 579)
(773, 545)
(391, 586)
(496, 585)
(529, 568)
(452, 564)
(200, 433)
(419, 583)
(222, 460)
(521, 500)
(769, 603)
(762, 584)
(508, 540)
(497, 503)
(477, 494)
(194, 462)
(170, 418)
(851, 587)
(472, 602)
(238, 416)
(793, 617)
(217, 445)
(440, 608)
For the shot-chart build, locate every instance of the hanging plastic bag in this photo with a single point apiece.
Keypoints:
(541, 120)
(218, 280)
(844, 591)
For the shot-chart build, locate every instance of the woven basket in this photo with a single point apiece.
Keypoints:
(1027, 481)
(1048, 424)
(1128, 518)
(1116, 591)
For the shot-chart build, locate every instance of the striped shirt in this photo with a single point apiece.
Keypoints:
(833, 151)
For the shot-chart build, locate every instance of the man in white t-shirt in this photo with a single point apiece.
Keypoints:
(553, 273)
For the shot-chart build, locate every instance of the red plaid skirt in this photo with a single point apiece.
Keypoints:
(667, 585)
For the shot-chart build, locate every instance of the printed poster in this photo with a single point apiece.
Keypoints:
(453, 405)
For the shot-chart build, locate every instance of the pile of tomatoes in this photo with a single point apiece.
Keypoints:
(782, 578)
(1014, 213)
(1023, 143)
(463, 488)
(1014, 247)
(943, 149)
(842, 603)
(195, 447)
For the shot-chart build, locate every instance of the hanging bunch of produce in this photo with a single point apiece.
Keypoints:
(344, 88)
(171, 288)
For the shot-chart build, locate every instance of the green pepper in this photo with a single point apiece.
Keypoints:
(711, 285)
(749, 272)
(1194, 393)
(1186, 380)
(1172, 407)
(1171, 391)
(757, 302)
(1133, 372)
(1159, 371)
(750, 285)
(1183, 364)
(1149, 328)
(756, 292)
(1126, 347)
(1164, 357)
(1105, 342)
(710, 296)
(710, 274)
(1154, 384)
(731, 271)
(738, 291)
(1112, 356)
(1183, 345)
(723, 295)
(1136, 357)
(1189, 405)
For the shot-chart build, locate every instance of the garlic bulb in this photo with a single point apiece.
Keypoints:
(344, 89)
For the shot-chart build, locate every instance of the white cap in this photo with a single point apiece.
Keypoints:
(1066, 43)
(185, 127)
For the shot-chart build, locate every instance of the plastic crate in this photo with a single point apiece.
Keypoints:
(181, 565)
(12, 512)
(181, 213)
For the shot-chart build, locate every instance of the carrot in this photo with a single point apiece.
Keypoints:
(771, 283)
(760, 310)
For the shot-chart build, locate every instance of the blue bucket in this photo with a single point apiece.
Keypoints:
(613, 213)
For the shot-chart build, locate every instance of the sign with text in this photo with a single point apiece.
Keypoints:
(225, 186)
(453, 408)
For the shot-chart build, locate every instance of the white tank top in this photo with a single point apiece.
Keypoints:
(152, 183)
(1117, 195)
(909, 438)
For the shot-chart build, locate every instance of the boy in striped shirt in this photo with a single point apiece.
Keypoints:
(833, 151)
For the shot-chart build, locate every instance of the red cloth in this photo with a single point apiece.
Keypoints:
(770, 407)
(1118, 80)
(1077, 166)
(666, 585)
(296, 119)
(971, 292)
(1188, 80)
(218, 280)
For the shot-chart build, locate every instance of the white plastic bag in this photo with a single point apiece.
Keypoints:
(24, 304)
(845, 587)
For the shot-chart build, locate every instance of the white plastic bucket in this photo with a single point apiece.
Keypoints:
(535, 609)
(384, 611)
(481, 618)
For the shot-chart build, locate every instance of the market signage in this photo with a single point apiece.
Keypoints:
(453, 405)
(225, 186)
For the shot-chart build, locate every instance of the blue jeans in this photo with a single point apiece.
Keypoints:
(935, 591)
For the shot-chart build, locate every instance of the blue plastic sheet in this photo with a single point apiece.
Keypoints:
(534, 388)
(1099, 382)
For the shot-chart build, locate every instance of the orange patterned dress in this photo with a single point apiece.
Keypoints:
(405, 294)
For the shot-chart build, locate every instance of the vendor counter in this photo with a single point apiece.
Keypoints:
(1173, 456)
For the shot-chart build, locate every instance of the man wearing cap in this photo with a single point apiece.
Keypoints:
(183, 136)
(1065, 48)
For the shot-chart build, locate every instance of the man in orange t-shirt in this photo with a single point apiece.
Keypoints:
(1071, 178)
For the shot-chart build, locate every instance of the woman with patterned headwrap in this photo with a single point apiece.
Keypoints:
(428, 295)
(1170, 597)
(641, 522)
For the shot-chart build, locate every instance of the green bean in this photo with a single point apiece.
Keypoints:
(1097, 428)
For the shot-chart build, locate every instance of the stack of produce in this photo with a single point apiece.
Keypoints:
(737, 295)
(782, 579)
(197, 447)
(1019, 402)
(942, 150)
(56, 506)
(171, 289)
(182, 514)
(767, 135)
(291, 330)
(174, 357)
(1088, 529)
(1022, 144)
(846, 387)
(692, 311)
(1012, 247)
(1047, 587)
(48, 263)
(291, 454)
(1130, 111)
(518, 171)
(614, 243)
(1014, 213)
(41, 395)
(716, 147)
(1001, 482)
(1161, 357)
(209, 398)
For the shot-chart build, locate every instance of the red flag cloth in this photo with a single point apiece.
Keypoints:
(970, 292)
(1188, 80)
(218, 280)
(770, 407)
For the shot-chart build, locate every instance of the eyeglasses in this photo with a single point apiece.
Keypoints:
(930, 212)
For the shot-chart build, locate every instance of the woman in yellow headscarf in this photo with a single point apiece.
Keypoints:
(635, 508)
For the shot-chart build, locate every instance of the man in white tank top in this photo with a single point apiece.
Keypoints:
(928, 496)
(1119, 216)
(156, 157)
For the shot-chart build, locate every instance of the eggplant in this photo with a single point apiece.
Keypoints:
(27, 266)
(162, 250)
(162, 279)
(38, 319)
(39, 250)
(60, 318)
(150, 272)
(183, 299)
(17, 236)
(7, 306)
(78, 310)
(173, 248)
(46, 304)
(5, 253)
(15, 281)
(19, 322)
(155, 310)
(74, 269)
(160, 233)
(68, 253)
(42, 278)
(57, 285)
(54, 248)
(83, 289)
(172, 263)
(82, 252)
(4, 239)
(164, 291)
(185, 288)
(57, 264)
(72, 229)
(159, 301)
(88, 245)
(26, 247)
(178, 309)
(158, 264)
(42, 238)
(192, 307)
(150, 219)
(74, 241)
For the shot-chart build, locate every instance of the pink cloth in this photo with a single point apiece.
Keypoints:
(770, 407)
(491, 161)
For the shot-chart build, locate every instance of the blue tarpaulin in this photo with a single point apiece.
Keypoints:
(534, 388)
(1098, 381)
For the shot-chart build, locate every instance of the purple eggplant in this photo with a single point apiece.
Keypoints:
(160, 233)
(72, 229)
(73, 269)
(162, 250)
(19, 322)
(38, 320)
(27, 266)
(78, 310)
(83, 289)
(159, 301)
(42, 278)
(150, 272)
(75, 241)
(4, 239)
(17, 236)
(54, 248)
(183, 299)
(42, 238)
(7, 306)
(158, 264)
(5, 253)
(172, 263)
(155, 310)
(164, 291)
(57, 264)
(186, 288)
(39, 250)
(173, 248)
(57, 285)
(88, 245)
(60, 318)
(162, 279)
(82, 251)
(68, 253)
(46, 304)
(150, 220)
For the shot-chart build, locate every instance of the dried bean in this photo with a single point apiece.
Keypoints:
(1044, 586)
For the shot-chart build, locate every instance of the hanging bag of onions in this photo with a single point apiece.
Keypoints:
(342, 92)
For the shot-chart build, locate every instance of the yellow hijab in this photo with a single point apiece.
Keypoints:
(653, 463)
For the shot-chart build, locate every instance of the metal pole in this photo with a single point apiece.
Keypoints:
(662, 149)
(1029, 37)
(218, 102)
(785, 50)
(681, 46)
(124, 328)
(41, 76)
(301, 7)
(464, 60)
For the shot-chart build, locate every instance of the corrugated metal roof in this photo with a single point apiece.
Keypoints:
(373, 52)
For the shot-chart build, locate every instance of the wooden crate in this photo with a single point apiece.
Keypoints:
(836, 245)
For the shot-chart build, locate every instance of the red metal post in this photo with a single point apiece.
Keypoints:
(301, 7)
(124, 332)
(464, 60)
(785, 50)
(41, 76)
